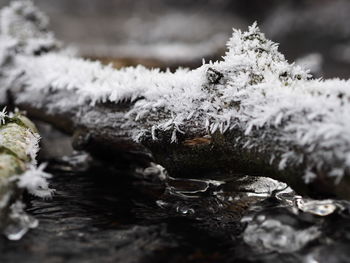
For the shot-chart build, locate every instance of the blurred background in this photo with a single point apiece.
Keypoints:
(172, 33)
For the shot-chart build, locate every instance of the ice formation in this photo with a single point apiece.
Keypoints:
(2, 116)
(253, 88)
(34, 181)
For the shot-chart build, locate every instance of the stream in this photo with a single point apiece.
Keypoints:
(104, 214)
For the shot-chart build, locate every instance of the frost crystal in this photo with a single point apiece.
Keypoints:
(3, 116)
(32, 150)
(34, 180)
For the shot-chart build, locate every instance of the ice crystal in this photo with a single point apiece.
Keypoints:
(32, 141)
(34, 180)
(3, 115)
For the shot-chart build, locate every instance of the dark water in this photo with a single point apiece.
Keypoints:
(102, 214)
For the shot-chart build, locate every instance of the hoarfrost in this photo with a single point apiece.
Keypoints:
(3, 116)
(252, 88)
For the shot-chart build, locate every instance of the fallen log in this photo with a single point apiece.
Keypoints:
(252, 112)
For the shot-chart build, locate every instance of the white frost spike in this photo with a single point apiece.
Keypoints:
(3, 116)
(309, 177)
(282, 164)
(207, 124)
(32, 140)
(153, 132)
(34, 180)
(173, 136)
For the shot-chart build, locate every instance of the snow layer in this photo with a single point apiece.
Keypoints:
(252, 89)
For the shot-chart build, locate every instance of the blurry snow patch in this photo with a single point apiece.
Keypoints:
(342, 52)
(169, 37)
(270, 235)
(22, 21)
(19, 222)
(7, 47)
(168, 52)
(76, 161)
(331, 18)
(174, 26)
(7, 50)
(32, 141)
(144, 32)
(312, 62)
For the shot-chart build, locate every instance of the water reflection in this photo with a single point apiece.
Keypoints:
(104, 214)
(277, 220)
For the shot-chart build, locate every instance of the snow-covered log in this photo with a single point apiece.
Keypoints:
(252, 112)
